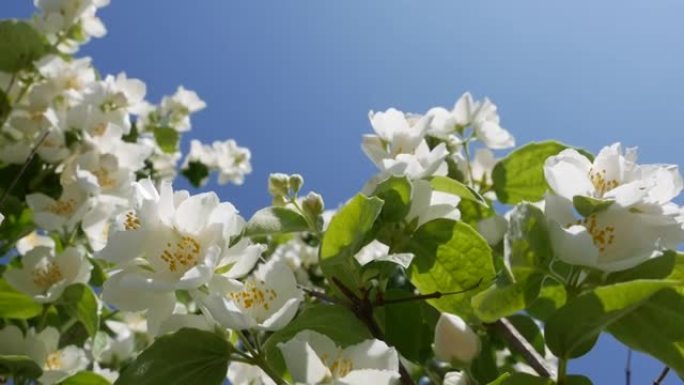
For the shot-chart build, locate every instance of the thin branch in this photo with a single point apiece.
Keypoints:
(434, 295)
(628, 368)
(320, 295)
(522, 346)
(21, 172)
(662, 376)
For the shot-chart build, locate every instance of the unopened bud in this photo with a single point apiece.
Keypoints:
(313, 204)
(455, 378)
(296, 182)
(455, 341)
(278, 185)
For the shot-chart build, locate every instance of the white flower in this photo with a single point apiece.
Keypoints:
(57, 363)
(613, 175)
(118, 92)
(267, 300)
(313, 358)
(232, 162)
(299, 256)
(482, 116)
(455, 378)
(175, 110)
(378, 251)
(167, 242)
(455, 342)
(59, 16)
(33, 240)
(62, 78)
(44, 275)
(493, 229)
(57, 214)
(245, 374)
(616, 238)
(428, 204)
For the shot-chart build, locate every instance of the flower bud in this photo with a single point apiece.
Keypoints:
(278, 185)
(455, 341)
(455, 378)
(296, 182)
(313, 205)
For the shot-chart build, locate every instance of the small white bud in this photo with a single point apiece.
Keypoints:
(313, 204)
(278, 185)
(296, 182)
(455, 342)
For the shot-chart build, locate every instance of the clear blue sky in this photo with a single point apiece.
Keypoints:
(294, 80)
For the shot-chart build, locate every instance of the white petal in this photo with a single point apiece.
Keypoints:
(568, 174)
(302, 362)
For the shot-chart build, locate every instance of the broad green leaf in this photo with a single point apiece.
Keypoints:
(22, 366)
(521, 379)
(20, 45)
(498, 302)
(670, 265)
(656, 328)
(80, 302)
(167, 138)
(335, 321)
(572, 329)
(587, 206)
(528, 242)
(396, 193)
(85, 378)
(452, 186)
(196, 173)
(472, 213)
(189, 356)
(15, 304)
(575, 379)
(273, 220)
(551, 297)
(346, 234)
(520, 175)
(450, 256)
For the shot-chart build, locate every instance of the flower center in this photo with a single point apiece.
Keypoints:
(182, 254)
(103, 178)
(601, 236)
(46, 275)
(62, 207)
(340, 367)
(600, 182)
(131, 221)
(54, 361)
(254, 294)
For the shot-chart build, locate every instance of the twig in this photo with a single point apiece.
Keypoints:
(33, 152)
(662, 376)
(522, 346)
(628, 368)
(434, 295)
(319, 295)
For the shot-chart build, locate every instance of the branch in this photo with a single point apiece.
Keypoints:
(522, 346)
(434, 295)
(662, 376)
(628, 368)
(33, 152)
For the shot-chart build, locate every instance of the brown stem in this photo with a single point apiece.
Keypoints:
(522, 346)
(662, 376)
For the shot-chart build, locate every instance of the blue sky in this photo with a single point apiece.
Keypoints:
(294, 81)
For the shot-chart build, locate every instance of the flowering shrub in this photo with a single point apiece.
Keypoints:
(453, 265)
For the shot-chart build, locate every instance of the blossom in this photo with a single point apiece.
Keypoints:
(44, 274)
(455, 378)
(313, 358)
(266, 300)
(62, 213)
(455, 342)
(482, 116)
(613, 175)
(428, 204)
(231, 161)
(616, 238)
(58, 17)
(245, 374)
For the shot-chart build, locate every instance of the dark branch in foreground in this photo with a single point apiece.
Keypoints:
(522, 346)
(628, 368)
(662, 376)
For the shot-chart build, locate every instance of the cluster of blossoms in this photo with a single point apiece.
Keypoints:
(415, 279)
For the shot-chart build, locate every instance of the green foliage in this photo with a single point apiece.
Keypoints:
(347, 232)
(196, 173)
(520, 175)
(275, 220)
(85, 378)
(80, 302)
(20, 366)
(501, 301)
(521, 379)
(529, 243)
(572, 330)
(167, 138)
(20, 46)
(452, 186)
(450, 256)
(189, 356)
(15, 304)
(335, 321)
(396, 193)
(587, 206)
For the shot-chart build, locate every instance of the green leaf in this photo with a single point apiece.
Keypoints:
(528, 241)
(15, 304)
(450, 257)
(572, 330)
(85, 378)
(20, 45)
(520, 175)
(79, 301)
(670, 265)
(521, 379)
(335, 321)
(587, 206)
(530, 330)
(167, 138)
(551, 297)
(196, 173)
(656, 328)
(22, 366)
(452, 186)
(189, 356)
(346, 234)
(275, 220)
(575, 379)
(396, 193)
(498, 302)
